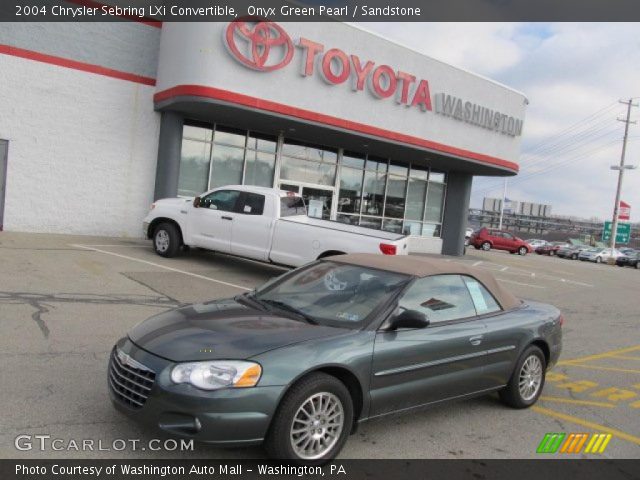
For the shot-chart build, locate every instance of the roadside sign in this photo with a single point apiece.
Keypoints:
(624, 211)
(623, 233)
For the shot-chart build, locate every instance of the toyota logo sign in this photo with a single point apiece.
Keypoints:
(259, 44)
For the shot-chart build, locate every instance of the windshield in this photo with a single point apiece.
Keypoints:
(331, 293)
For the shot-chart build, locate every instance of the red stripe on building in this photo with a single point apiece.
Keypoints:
(145, 20)
(75, 65)
(269, 106)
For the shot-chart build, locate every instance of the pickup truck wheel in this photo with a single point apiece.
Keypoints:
(522, 251)
(166, 240)
(527, 380)
(313, 421)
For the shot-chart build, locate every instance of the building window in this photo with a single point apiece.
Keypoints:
(194, 160)
(435, 202)
(396, 191)
(306, 163)
(372, 192)
(350, 193)
(214, 157)
(260, 160)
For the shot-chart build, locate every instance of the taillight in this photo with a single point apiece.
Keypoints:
(153, 205)
(388, 249)
(561, 320)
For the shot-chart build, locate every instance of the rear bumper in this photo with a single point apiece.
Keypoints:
(226, 417)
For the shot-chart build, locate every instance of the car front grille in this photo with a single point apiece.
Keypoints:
(129, 380)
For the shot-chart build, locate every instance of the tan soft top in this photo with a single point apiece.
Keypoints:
(426, 267)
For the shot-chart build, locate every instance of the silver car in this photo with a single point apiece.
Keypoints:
(599, 255)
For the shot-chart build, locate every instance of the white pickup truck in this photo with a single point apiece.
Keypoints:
(261, 223)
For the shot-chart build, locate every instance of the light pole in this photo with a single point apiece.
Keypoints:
(504, 199)
(621, 168)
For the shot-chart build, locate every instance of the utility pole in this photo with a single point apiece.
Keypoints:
(621, 169)
(504, 199)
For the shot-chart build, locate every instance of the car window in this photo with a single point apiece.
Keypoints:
(292, 205)
(482, 298)
(253, 204)
(440, 298)
(507, 235)
(333, 294)
(224, 200)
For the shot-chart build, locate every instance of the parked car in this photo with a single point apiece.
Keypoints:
(298, 363)
(550, 248)
(598, 255)
(629, 259)
(571, 251)
(535, 243)
(261, 223)
(488, 238)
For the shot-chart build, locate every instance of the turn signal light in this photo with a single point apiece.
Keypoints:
(388, 249)
(561, 320)
(153, 205)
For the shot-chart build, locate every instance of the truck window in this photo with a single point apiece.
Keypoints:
(290, 206)
(224, 200)
(253, 204)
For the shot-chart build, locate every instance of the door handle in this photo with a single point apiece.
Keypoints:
(477, 340)
(227, 218)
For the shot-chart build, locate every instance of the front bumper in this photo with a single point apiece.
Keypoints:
(226, 417)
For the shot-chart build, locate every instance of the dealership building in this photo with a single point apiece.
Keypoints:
(100, 119)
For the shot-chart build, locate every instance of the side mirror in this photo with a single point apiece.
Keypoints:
(196, 202)
(409, 319)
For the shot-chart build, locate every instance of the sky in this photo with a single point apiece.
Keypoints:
(573, 74)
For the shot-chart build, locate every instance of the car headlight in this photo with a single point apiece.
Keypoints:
(218, 374)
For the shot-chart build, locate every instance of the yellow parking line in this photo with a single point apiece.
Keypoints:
(608, 369)
(626, 357)
(600, 355)
(577, 402)
(585, 423)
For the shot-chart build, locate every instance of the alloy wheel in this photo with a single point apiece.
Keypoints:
(317, 425)
(162, 241)
(530, 377)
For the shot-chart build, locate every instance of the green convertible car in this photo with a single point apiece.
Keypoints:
(299, 362)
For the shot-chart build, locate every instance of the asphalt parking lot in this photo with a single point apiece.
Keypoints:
(65, 300)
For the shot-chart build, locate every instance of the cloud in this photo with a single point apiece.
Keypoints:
(568, 71)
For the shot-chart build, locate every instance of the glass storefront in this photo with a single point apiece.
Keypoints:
(349, 187)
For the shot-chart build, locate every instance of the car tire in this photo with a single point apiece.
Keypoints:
(637, 265)
(598, 260)
(527, 380)
(166, 240)
(574, 257)
(280, 442)
(486, 246)
(551, 253)
(522, 251)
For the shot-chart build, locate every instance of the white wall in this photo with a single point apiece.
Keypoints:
(82, 150)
